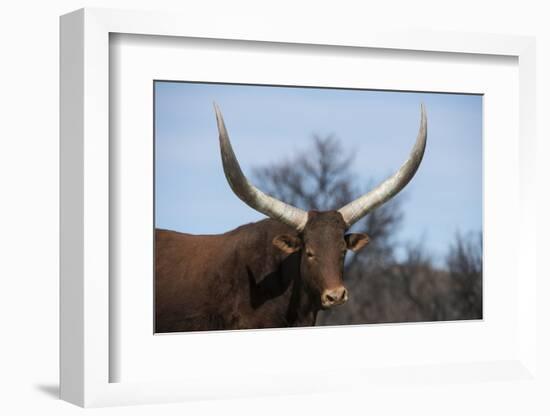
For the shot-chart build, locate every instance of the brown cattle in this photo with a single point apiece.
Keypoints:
(279, 272)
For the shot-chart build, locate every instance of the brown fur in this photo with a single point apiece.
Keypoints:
(245, 278)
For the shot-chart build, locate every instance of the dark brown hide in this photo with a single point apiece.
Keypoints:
(242, 279)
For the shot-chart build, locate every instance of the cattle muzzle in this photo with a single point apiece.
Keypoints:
(334, 297)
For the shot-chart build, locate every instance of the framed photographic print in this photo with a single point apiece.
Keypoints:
(215, 269)
(235, 208)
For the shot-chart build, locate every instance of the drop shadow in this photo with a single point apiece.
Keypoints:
(51, 390)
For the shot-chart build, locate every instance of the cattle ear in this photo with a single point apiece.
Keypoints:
(287, 243)
(356, 241)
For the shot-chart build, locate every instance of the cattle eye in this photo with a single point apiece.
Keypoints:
(309, 254)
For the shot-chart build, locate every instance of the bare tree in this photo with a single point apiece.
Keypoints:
(318, 178)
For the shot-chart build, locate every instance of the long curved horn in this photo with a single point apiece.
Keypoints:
(357, 209)
(247, 192)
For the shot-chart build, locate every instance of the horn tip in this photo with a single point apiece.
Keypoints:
(216, 107)
(219, 118)
(423, 115)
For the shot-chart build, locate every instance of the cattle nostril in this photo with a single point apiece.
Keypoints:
(335, 296)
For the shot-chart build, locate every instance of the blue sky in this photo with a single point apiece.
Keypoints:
(269, 124)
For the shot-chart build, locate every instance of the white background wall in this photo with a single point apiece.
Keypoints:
(29, 206)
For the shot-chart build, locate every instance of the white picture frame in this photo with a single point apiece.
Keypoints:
(85, 219)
